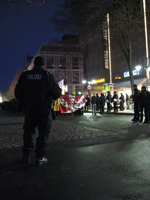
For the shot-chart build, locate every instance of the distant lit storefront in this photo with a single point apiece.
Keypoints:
(98, 86)
(124, 87)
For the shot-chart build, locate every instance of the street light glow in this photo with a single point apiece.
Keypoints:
(93, 81)
(84, 81)
(138, 67)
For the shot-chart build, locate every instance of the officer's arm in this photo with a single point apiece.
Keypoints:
(55, 90)
(19, 91)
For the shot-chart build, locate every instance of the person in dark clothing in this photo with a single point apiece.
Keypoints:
(102, 103)
(135, 98)
(87, 103)
(144, 100)
(34, 90)
(127, 102)
(141, 106)
(97, 102)
(93, 101)
(108, 100)
(121, 102)
(115, 101)
(136, 103)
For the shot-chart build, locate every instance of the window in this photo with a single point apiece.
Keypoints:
(75, 77)
(50, 63)
(75, 63)
(62, 62)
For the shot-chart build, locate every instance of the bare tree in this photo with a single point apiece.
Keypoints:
(127, 26)
(85, 19)
(77, 17)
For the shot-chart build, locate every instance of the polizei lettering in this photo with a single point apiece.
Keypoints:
(34, 76)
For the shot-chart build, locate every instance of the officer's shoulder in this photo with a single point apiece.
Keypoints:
(48, 72)
(25, 73)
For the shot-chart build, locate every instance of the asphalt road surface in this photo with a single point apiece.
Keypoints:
(107, 167)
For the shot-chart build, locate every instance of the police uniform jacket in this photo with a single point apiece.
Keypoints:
(36, 88)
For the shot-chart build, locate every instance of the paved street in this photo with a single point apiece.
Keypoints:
(90, 158)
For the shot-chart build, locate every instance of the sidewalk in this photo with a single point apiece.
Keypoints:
(125, 112)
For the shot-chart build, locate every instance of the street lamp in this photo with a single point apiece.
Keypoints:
(93, 81)
(84, 81)
(138, 67)
(88, 87)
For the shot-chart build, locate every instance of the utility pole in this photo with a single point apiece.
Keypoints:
(146, 41)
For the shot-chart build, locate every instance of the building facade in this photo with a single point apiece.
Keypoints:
(64, 60)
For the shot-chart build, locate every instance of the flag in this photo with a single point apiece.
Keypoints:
(71, 103)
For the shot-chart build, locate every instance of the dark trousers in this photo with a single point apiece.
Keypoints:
(141, 113)
(146, 111)
(42, 120)
(121, 106)
(108, 107)
(136, 110)
(94, 109)
(53, 114)
(86, 107)
(115, 106)
(101, 108)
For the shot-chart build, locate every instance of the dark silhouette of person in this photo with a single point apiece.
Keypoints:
(121, 102)
(136, 103)
(144, 101)
(34, 90)
(127, 102)
(97, 102)
(93, 101)
(102, 103)
(108, 100)
(115, 101)
(87, 104)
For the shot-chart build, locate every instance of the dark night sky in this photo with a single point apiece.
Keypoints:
(23, 32)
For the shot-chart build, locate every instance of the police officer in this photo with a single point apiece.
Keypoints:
(34, 90)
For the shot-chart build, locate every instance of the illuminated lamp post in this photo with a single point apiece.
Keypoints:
(146, 41)
(89, 87)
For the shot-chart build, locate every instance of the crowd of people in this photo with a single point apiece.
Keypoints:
(141, 100)
(98, 102)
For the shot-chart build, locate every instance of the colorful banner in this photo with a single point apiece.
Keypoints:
(71, 103)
